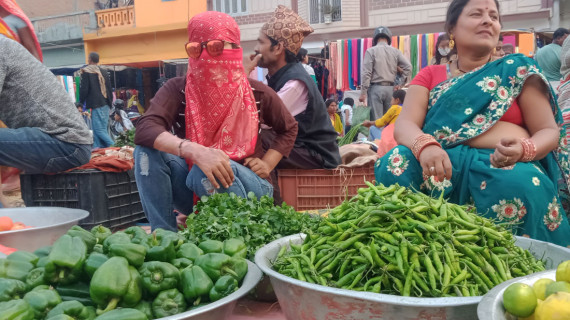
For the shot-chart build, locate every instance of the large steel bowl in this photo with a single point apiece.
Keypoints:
(491, 306)
(302, 300)
(48, 224)
(224, 307)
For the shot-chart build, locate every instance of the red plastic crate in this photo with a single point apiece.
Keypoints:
(322, 188)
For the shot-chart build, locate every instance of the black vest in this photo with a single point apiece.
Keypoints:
(315, 128)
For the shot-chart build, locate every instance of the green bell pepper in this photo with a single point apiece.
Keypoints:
(235, 248)
(23, 256)
(168, 303)
(134, 290)
(86, 236)
(42, 262)
(117, 237)
(160, 248)
(158, 276)
(123, 314)
(16, 310)
(43, 251)
(177, 238)
(66, 260)
(74, 309)
(110, 283)
(181, 263)
(146, 308)
(98, 248)
(211, 246)
(61, 317)
(137, 234)
(195, 284)
(216, 265)
(75, 292)
(239, 266)
(42, 287)
(101, 233)
(11, 289)
(15, 269)
(36, 278)
(93, 262)
(225, 286)
(189, 251)
(134, 253)
(42, 301)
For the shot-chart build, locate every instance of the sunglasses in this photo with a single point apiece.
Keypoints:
(214, 47)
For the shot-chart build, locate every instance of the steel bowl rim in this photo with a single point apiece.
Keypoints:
(369, 296)
(253, 271)
(84, 214)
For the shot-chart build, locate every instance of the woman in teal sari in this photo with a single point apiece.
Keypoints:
(484, 132)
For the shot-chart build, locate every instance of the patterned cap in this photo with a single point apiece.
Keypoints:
(288, 28)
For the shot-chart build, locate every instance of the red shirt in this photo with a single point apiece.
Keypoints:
(431, 76)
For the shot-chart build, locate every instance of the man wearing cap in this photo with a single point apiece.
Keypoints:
(379, 70)
(278, 44)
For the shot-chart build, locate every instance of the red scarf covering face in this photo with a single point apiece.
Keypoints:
(221, 112)
(12, 7)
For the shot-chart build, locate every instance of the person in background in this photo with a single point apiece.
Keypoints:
(379, 70)
(190, 143)
(45, 133)
(84, 114)
(95, 92)
(443, 51)
(508, 48)
(346, 113)
(303, 58)
(278, 43)
(389, 118)
(498, 51)
(15, 25)
(548, 57)
(500, 148)
(332, 109)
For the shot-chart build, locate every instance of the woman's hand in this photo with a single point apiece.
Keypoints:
(507, 152)
(368, 123)
(258, 166)
(435, 162)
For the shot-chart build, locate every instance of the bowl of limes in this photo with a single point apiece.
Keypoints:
(540, 296)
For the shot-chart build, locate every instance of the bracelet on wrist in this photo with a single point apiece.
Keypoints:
(180, 147)
(529, 150)
(421, 142)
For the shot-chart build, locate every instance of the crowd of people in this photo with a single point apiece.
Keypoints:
(480, 124)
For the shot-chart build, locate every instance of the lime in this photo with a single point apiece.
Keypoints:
(519, 300)
(558, 286)
(563, 271)
(539, 287)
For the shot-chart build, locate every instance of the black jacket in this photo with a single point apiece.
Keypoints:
(90, 90)
(316, 132)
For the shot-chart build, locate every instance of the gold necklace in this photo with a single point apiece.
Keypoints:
(464, 72)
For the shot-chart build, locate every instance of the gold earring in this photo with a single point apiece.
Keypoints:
(494, 50)
(451, 42)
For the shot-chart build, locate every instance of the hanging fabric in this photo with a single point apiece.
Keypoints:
(349, 57)
(359, 65)
(354, 62)
(424, 51)
(414, 53)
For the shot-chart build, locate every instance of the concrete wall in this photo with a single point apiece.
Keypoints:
(150, 13)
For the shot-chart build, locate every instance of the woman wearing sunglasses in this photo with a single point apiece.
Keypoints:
(200, 133)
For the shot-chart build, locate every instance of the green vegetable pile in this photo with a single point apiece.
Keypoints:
(126, 139)
(349, 136)
(223, 216)
(395, 241)
(123, 275)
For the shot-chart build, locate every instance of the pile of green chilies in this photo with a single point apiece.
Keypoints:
(395, 241)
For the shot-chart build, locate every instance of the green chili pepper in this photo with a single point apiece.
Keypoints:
(350, 276)
(408, 282)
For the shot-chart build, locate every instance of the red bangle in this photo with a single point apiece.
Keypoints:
(421, 142)
(529, 150)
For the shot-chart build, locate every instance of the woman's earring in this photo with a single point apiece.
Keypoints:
(451, 42)
(494, 50)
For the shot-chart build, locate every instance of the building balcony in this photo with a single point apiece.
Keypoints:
(116, 17)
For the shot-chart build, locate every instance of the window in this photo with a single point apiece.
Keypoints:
(325, 11)
(231, 7)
